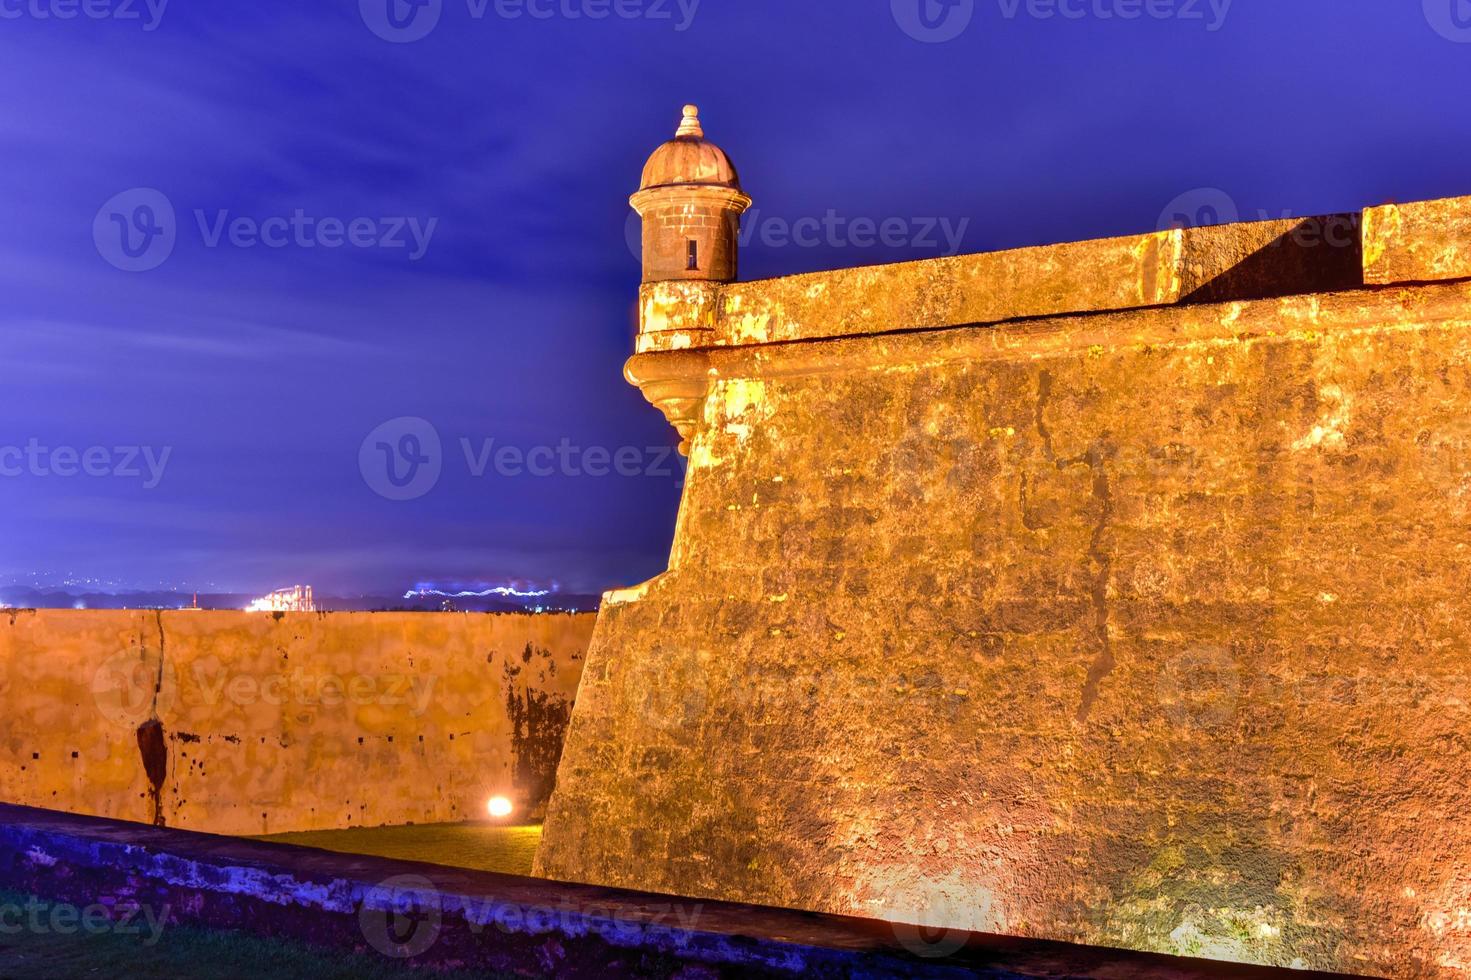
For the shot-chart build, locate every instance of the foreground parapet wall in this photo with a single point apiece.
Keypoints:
(1141, 627)
(435, 917)
(256, 723)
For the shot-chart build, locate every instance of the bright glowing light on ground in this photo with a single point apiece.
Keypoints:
(499, 806)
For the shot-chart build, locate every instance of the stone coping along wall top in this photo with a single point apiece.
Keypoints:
(1419, 242)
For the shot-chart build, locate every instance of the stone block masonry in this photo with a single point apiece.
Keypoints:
(258, 723)
(1110, 592)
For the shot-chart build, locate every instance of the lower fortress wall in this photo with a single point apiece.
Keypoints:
(1142, 628)
(256, 723)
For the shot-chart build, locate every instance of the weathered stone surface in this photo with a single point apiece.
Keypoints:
(1116, 273)
(256, 723)
(1261, 259)
(677, 315)
(1142, 628)
(1426, 241)
(1252, 260)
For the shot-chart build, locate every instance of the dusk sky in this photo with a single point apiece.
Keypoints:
(224, 397)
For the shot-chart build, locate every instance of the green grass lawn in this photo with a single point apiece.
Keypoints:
(482, 847)
(67, 951)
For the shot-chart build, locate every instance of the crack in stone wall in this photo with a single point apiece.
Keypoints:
(1095, 458)
(152, 745)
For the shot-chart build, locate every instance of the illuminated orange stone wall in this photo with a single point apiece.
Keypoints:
(1144, 628)
(257, 723)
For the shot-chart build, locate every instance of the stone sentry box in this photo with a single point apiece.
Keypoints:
(1111, 591)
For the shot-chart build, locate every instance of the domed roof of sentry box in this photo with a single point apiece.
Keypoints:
(690, 159)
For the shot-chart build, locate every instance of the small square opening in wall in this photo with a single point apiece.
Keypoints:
(693, 256)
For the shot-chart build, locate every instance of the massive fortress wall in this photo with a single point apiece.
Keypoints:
(1113, 592)
(253, 723)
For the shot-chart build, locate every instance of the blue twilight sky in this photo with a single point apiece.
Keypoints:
(260, 359)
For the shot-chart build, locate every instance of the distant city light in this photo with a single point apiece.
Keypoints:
(499, 807)
(298, 598)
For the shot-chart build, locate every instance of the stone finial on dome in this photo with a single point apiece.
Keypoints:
(689, 126)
